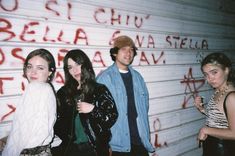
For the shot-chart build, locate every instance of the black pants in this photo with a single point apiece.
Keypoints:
(83, 149)
(213, 146)
(136, 150)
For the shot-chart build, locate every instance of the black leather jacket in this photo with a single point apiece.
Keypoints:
(96, 124)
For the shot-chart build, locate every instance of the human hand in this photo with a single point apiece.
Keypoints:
(199, 104)
(202, 134)
(2, 143)
(110, 152)
(84, 107)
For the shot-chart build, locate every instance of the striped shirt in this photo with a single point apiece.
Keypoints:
(214, 117)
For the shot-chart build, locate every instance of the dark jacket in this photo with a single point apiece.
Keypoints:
(96, 124)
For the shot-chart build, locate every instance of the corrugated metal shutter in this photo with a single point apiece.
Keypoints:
(172, 37)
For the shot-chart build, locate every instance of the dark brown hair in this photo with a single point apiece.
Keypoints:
(46, 55)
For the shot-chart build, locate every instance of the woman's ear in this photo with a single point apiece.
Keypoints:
(49, 75)
(227, 70)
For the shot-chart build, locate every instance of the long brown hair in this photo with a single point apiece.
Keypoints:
(87, 74)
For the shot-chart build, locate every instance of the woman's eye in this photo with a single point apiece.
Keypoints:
(40, 68)
(28, 67)
(214, 72)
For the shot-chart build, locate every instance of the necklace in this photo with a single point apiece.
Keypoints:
(219, 93)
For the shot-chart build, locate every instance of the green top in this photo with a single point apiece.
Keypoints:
(79, 131)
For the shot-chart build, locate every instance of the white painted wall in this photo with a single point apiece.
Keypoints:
(172, 37)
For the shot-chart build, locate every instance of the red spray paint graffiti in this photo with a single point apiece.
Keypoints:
(178, 42)
(14, 7)
(116, 18)
(31, 30)
(12, 110)
(157, 126)
(190, 89)
(1, 82)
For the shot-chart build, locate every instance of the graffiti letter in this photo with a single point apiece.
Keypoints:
(15, 6)
(2, 59)
(204, 44)
(14, 53)
(113, 37)
(1, 82)
(69, 10)
(127, 19)
(143, 58)
(168, 40)
(140, 23)
(155, 61)
(49, 2)
(113, 19)
(25, 31)
(138, 40)
(6, 29)
(45, 36)
(177, 38)
(99, 60)
(183, 42)
(6, 115)
(59, 38)
(60, 57)
(151, 41)
(82, 36)
(59, 78)
(98, 11)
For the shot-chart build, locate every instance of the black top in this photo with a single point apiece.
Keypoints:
(132, 113)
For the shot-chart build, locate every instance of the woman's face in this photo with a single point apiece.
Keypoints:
(74, 69)
(215, 75)
(37, 69)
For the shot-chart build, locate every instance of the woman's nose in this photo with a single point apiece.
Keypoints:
(33, 71)
(74, 70)
(209, 78)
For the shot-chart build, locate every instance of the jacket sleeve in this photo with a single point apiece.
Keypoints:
(61, 125)
(105, 112)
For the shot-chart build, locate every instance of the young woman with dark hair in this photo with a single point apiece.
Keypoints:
(218, 134)
(86, 110)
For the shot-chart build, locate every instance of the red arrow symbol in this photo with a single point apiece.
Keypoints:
(12, 110)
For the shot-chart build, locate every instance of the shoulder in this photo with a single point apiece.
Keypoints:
(101, 91)
(61, 91)
(41, 87)
(229, 101)
(229, 104)
(231, 97)
(37, 91)
(107, 72)
(136, 74)
(100, 87)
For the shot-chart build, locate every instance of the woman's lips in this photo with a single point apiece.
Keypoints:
(33, 78)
